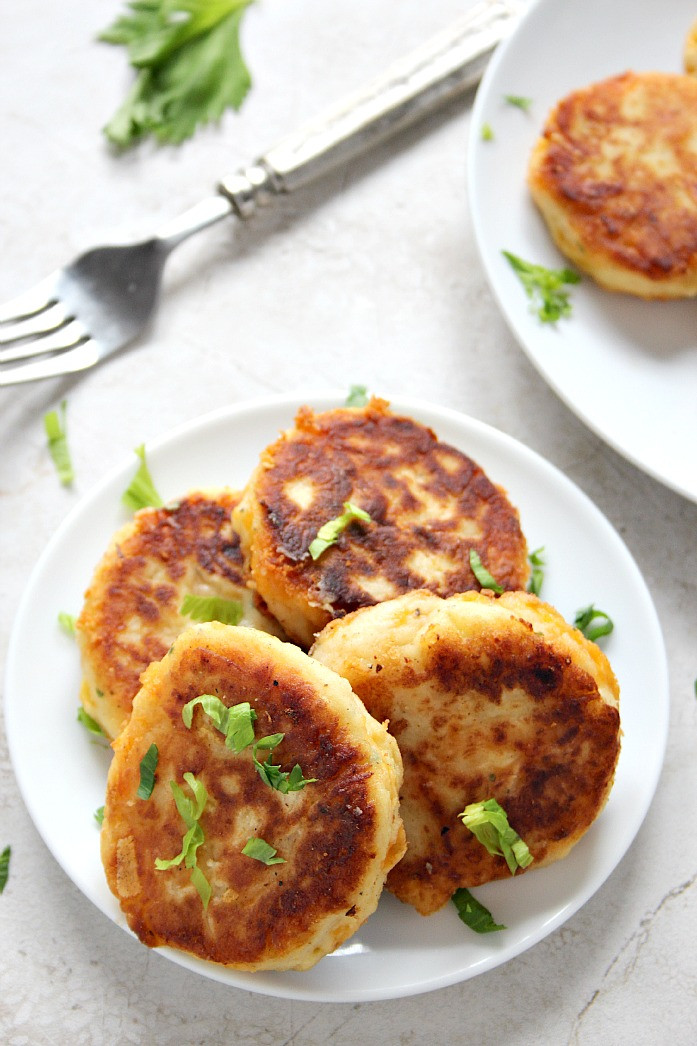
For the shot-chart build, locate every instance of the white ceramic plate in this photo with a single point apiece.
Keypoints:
(62, 772)
(626, 367)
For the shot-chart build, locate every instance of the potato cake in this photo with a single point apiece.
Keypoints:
(428, 504)
(488, 698)
(614, 175)
(131, 611)
(224, 864)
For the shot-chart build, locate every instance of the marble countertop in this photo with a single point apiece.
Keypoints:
(370, 277)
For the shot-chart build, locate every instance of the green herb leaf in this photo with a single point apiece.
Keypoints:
(190, 811)
(537, 562)
(54, 425)
(473, 913)
(482, 575)
(487, 133)
(261, 851)
(236, 722)
(271, 774)
(488, 821)
(189, 66)
(544, 287)
(5, 867)
(584, 621)
(89, 723)
(148, 766)
(67, 622)
(212, 608)
(141, 492)
(99, 815)
(358, 396)
(329, 532)
(519, 101)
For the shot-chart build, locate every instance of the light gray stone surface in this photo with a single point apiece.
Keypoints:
(373, 277)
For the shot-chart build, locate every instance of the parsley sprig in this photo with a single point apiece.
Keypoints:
(189, 67)
(544, 287)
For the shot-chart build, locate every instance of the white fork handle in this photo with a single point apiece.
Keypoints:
(415, 86)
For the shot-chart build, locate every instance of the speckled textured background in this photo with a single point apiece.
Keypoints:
(371, 277)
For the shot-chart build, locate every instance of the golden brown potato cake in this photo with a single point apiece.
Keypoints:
(131, 611)
(488, 698)
(428, 505)
(337, 836)
(614, 177)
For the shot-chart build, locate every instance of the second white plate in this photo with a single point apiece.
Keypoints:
(62, 773)
(626, 367)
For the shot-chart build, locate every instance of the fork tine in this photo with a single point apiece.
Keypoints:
(66, 337)
(49, 319)
(30, 302)
(82, 356)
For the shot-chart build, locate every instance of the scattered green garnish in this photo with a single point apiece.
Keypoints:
(482, 575)
(358, 396)
(190, 811)
(99, 815)
(473, 913)
(189, 66)
(5, 867)
(67, 622)
(544, 287)
(212, 608)
(54, 425)
(148, 766)
(89, 723)
(261, 851)
(487, 132)
(272, 775)
(329, 532)
(584, 620)
(141, 492)
(537, 562)
(519, 101)
(236, 722)
(488, 821)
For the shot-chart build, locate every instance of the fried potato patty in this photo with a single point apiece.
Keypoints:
(488, 698)
(131, 611)
(337, 837)
(428, 505)
(614, 177)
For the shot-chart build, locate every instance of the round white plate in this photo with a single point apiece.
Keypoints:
(626, 367)
(62, 772)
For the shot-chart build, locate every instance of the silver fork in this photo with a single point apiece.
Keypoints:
(104, 299)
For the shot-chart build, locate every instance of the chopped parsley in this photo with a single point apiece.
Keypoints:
(473, 913)
(56, 433)
(212, 608)
(188, 67)
(482, 575)
(593, 623)
(89, 723)
(519, 101)
(261, 851)
(190, 811)
(235, 722)
(67, 622)
(272, 775)
(537, 562)
(148, 766)
(544, 287)
(99, 815)
(358, 396)
(5, 867)
(141, 492)
(329, 532)
(489, 822)
(487, 132)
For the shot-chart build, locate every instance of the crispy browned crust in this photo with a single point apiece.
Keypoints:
(131, 611)
(428, 502)
(486, 699)
(614, 177)
(339, 836)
